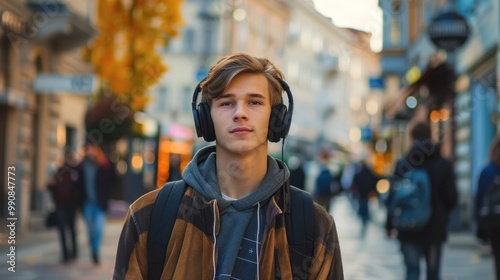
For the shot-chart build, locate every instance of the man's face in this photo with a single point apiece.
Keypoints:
(241, 115)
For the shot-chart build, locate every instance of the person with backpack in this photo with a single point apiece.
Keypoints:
(422, 195)
(66, 197)
(487, 203)
(323, 181)
(237, 216)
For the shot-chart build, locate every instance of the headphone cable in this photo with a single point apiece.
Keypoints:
(282, 158)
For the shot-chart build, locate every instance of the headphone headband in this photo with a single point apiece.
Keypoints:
(280, 121)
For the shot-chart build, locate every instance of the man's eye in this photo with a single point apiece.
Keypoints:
(255, 103)
(225, 103)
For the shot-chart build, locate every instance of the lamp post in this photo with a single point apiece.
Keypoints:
(449, 31)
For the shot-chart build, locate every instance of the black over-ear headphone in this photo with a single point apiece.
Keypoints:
(279, 123)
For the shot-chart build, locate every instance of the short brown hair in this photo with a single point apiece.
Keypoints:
(224, 71)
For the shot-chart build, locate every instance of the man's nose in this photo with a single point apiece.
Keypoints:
(240, 111)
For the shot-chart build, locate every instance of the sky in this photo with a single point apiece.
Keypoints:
(363, 15)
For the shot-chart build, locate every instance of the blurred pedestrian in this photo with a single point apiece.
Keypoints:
(174, 169)
(425, 242)
(364, 186)
(323, 188)
(297, 172)
(97, 178)
(351, 168)
(486, 200)
(67, 197)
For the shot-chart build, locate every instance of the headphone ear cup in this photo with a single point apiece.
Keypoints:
(206, 123)
(197, 125)
(275, 131)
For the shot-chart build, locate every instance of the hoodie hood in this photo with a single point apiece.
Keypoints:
(201, 174)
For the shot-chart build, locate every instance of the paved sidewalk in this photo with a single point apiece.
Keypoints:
(375, 256)
(38, 255)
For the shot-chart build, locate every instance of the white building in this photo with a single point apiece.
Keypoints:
(328, 69)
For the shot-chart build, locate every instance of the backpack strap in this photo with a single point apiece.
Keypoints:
(300, 230)
(162, 222)
(300, 233)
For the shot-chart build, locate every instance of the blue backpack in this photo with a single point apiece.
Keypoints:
(324, 183)
(410, 207)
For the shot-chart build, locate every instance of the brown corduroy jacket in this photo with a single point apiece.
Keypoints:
(190, 253)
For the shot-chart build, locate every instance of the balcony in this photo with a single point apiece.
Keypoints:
(65, 29)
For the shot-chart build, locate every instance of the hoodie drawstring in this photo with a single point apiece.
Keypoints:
(257, 242)
(215, 242)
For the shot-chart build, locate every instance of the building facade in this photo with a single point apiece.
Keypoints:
(329, 69)
(37, 123)
(470, 120)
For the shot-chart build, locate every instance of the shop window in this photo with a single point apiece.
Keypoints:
(5, 64)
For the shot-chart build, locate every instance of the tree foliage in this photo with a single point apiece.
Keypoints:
(124, 54)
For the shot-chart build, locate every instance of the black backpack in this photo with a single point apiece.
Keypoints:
(489, 212)
(324, 183)
(300, 234)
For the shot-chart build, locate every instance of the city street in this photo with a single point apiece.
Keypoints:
(377, 257)
(372, 257)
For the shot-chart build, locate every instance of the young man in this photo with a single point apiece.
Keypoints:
(230, 223)
(427, 241)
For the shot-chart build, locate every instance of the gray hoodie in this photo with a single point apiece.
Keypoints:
(242, 221)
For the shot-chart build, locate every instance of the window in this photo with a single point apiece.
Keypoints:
(188, 41)
(294, 31)
(293, 71)
(395, 32)
(162, 99)
(305, 38)
(186, 99)
(5, 63)
(71, 139)
(317, 44)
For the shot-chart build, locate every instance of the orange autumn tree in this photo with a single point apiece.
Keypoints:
(124, 54)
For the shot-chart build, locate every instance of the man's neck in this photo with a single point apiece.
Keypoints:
(240, 176)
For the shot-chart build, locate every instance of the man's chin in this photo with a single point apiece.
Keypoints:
(239, 148)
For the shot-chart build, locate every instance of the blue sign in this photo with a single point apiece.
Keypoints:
(366, 134)
(376, 83)
(201, 73)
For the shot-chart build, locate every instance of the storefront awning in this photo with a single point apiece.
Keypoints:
(438, 79)
(65, 29)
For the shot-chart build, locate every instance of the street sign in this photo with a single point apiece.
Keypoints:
(201, 73)
(57, 83)
(366, 134)
(449, 31)
(376, 82)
